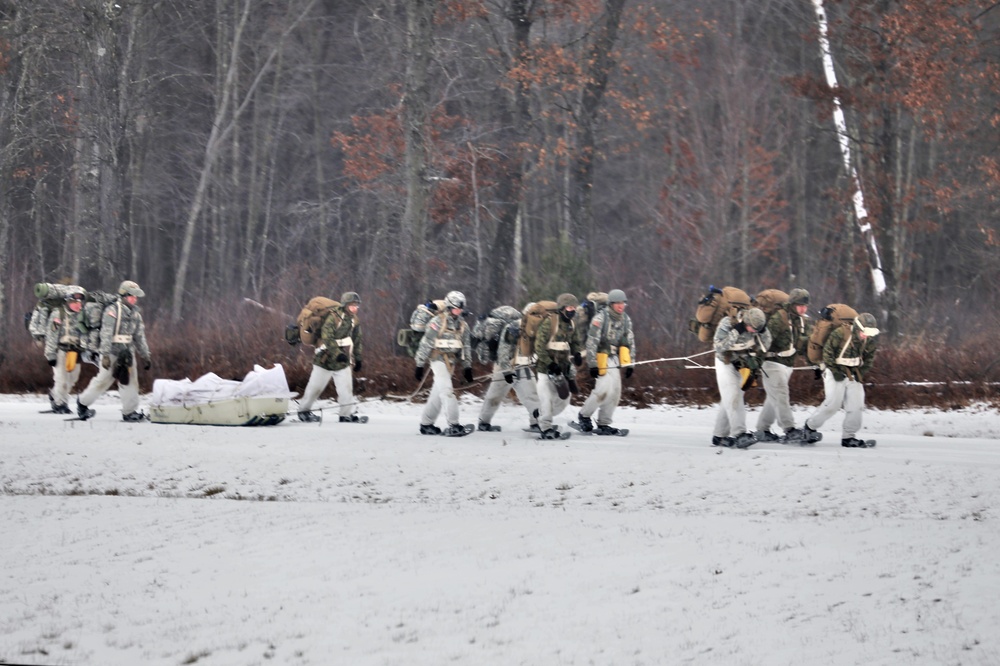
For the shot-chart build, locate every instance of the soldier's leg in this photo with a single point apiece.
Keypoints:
(495, 394)
(318, 379)
(101, 382)
(612, 395)
(61, 384)
(731, 400)
(527, 393)
(546, 394)
(343, 383)
(833, 398)
(854, 405)
(447, 399)
(130, 392)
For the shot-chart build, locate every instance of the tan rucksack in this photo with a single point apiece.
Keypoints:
(309, 324)
(408, 339)
(831, 317)
(531, 319)
(716, 304)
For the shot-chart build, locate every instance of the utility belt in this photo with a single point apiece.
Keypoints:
(556, 345)
(121, 339)
(450, 346)
(781, 354)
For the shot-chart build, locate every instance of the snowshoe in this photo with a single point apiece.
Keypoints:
(82, 412)
(134, 417)
(802, 436)
(767, 436)
(727, 442)
(486, 427)
(429, 429)
(745, 440)
(458, 430)
(533, 428)
(307, 416)
(855, 443)
(585, 423)
(610, 431)
(552, 433)
(354, 418)
(579, 426)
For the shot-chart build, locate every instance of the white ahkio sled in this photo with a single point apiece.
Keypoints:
(260, 399)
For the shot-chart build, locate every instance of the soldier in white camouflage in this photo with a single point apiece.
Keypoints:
(789, 335)
(446, 342)
(610, 332)
(740, 343)
(338, 353)
(556, 346)
(123, 338)
(63, 349)
(507, 376)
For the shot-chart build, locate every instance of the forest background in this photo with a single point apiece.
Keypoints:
(512, 149)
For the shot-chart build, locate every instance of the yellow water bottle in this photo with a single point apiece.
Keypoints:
(602, 364)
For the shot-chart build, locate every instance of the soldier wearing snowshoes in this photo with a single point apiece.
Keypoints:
(446, 342)
(556, 348)
(507, 376)
(63, 348)
(740, 342)
(610, 347)
(848, 354)
(338, 353)
(789, 335)
(122, 338)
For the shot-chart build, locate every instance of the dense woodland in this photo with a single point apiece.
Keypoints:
(216, 150)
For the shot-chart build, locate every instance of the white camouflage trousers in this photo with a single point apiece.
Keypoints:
(846, 393)
(63, 381)
(731, 419)
(777, 405)
(605, 396)
(343, 383)
(442, 396)
(103, 381)
(550, 404)
(524, 387)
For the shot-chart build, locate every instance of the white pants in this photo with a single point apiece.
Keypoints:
(103, 381)
(343, 383)
(605, 396)
(846, 393)
(63, 381)
(442, 395)
(777, 404)
(550, 404)
(731, 419)
(524, 387)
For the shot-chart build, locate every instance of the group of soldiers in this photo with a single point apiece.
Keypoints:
(542, 375)
(750, 341)
(121, 342)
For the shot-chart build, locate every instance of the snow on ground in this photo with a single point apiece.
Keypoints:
(370, 544)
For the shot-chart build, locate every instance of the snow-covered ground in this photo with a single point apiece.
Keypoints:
(370, 544)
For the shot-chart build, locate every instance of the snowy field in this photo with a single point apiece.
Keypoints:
(372, 545)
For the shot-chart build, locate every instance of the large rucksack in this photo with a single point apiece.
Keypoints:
(486, 333)
(715, 305)
(830, 317)
(50, 296)
(531, 319)
(409, 338)
(771, 301)
(91, 317)
(309, 324)
(594, 303)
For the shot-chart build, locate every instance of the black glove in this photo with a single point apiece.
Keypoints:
(628, 371)
(740, 327)
(419, 373)
(341, 358)
(357, 365)
(147, 364)
(467, 373)
(577, 359)
(554, 369)
(594, 372)
(509, 377)
(52, 363)
(839, 376)
(818, 374)
(106, 362)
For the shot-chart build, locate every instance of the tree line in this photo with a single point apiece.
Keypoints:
(513, 149)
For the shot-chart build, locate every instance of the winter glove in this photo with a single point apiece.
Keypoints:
(577, 359)
(554, 369)
(594, 372)
(147, 364)
(106, 362)
(357, 365)
(341, 358)
(628, 371)
(509, 377)
(467, 373)
(419, 373)
(52, 362)
(839, 376)
(740, 327)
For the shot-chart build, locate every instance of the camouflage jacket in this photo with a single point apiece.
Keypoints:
(122, 329)
(789, 336)
(446, 338)
(507, 347)
(62, 332)
(548, 343)
(607, 332)
(847, 355)
(341, 335)
(730, 345)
